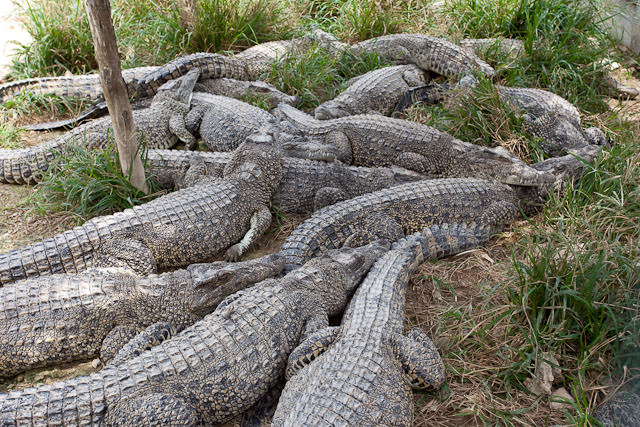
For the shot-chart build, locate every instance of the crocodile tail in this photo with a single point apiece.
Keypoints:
(25, 165)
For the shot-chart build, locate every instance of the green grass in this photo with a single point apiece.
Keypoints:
(88, 183)
(316, 77)
(564, 43)
(148, 32)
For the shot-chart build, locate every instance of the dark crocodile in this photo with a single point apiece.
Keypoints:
(402, 210)
(427, 52)
(361, 373)
(64, 318)
(377, 91)
(373, 140)
(214, 369)
(159, 126)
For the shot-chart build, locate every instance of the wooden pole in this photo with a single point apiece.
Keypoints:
(115, 90)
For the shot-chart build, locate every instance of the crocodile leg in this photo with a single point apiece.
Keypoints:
(341, 142)
(310, 348)
(420, 359)
(177, 126)
(116, 339)
(260, 222)
(375, 226)
(328, 196)
(152, 336)
(194, 117)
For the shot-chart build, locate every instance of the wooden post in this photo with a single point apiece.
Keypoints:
(115, 90)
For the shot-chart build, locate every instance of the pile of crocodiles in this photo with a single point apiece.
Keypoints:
(186, 340)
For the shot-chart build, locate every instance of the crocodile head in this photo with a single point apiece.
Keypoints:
(304, 148)
(330, 110)
(498, 164)
(338, 272)
(178, 90)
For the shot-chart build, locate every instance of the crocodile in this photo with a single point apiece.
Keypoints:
(305, 187)
(159, 126)
(361, 373)
(620, 410)
(239, 89)
(377, 91)
(260, 58)
(210, 65)
(395, 212)
(429, 53)
(374, 140)
(81, 86)
(509, 47)
(546, 115)
(247, 90)
(223, 123)
(238, 217)
(68, 317)
(212, 370)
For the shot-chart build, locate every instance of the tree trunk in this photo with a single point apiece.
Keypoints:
(188, 14)
(115, 90)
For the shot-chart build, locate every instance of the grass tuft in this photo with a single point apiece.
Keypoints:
(88, 183)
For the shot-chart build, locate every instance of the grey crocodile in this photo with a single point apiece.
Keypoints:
(620, 410)
(159, 126)
(373, 140)
(238, 217)
(377, 91)
(548, 116)
(210, 65)
(402, 210)
(427, 52)
(64, 318)
(82, 86)
(260, 58)
(223, 123)
(214, 369)
(305, 186)
(247, 91)
(361, 373)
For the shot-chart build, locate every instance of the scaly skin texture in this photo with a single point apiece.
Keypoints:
(377, 91)
(246, 90)
(64, 318)
(306, 185)
(398, 211)
(240, 218)
(372, 140)
(159, 126)
(83, 86)
(361, 373)
(621, 410)
(429, 53)
(214, 369)
(547, 115)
